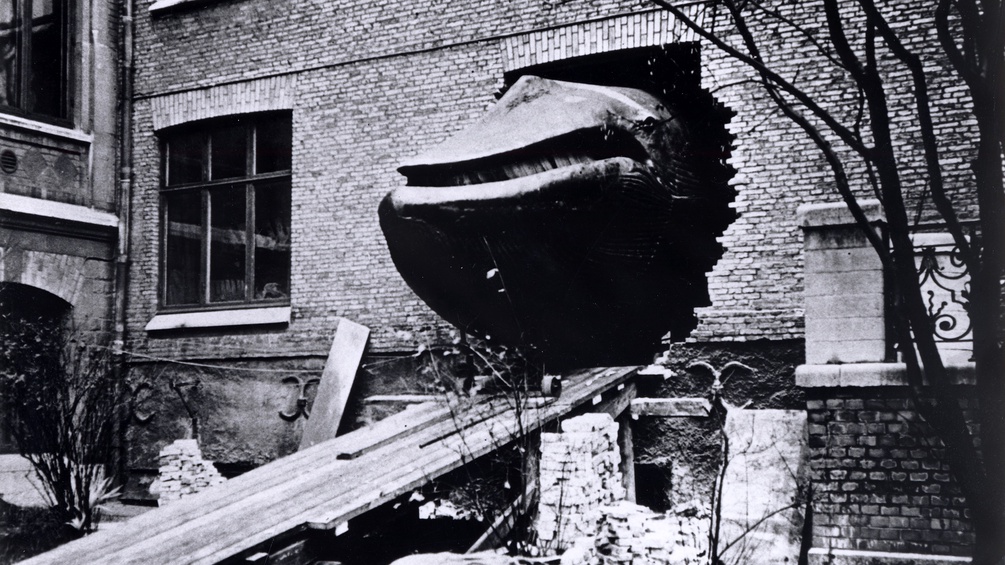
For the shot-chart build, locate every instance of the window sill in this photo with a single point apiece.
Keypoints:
(220, 318)
(48, 129)
(58, 211)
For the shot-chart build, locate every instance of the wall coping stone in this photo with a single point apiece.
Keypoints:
(871, 375)
(837, 214)
(828, 556)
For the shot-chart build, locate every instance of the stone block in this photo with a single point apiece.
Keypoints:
(827, 306)
(840, 260)
(844, 283)
(847, 351)
(845, 328)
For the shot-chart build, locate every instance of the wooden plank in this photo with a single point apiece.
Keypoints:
(393, 428)
(282, 498)
(454, 450)
(627, 448)
(503, 524)
(616, 402)
(336, 382)
(671, 407)
(402, 398)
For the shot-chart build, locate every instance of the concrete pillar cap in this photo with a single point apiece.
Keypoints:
(837, 214)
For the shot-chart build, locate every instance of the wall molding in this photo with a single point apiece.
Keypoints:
(262, 95)
(644, 29)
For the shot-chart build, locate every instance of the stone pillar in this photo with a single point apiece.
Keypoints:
(844, 286)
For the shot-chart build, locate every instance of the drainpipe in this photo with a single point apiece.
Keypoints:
(125, 191)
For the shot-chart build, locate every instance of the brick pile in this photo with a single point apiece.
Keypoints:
(579, 474)
(183, 471)
(626, 533)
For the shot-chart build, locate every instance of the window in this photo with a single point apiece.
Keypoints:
(35, 47)
(226, 212)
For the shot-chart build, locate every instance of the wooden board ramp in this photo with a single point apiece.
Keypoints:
(324, 486)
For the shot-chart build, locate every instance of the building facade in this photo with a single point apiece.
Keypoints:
(265, 135)
(59, 148)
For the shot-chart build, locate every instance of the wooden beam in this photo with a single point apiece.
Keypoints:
(671, 407)
(614, 402)
(404, 398)
(627, 448)
(336, 382)
(501, 527)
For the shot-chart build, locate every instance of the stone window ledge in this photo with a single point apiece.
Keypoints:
(48, 129)
(57, 211)
(220, 318)
(871, 374)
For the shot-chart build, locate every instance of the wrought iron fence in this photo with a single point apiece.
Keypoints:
(945, 285)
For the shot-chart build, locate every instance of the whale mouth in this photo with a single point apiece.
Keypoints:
(577, 219)
(564, 187)
(565, 151)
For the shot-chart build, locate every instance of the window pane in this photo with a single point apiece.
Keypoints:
(186, 157)
(45, 88)
(9, 23)
(227, 244)
(184, 247)
(230, 152)
(274, 142)
(272, 240)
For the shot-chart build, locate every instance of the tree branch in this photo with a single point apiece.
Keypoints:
(754, 61)
(927, 129)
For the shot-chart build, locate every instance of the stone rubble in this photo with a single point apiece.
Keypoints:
(583, 514)
(626, 533)
(183, 472)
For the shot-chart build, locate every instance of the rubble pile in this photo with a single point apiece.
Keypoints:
(579, 474)
(626, 533)
(183, 472)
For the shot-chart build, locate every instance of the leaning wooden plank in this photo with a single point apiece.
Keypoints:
(454, 450)
(671, 407)
(201, 516)
(375, 479)
(503, 524)
(263, 516)
(248, 512)
(336, 382)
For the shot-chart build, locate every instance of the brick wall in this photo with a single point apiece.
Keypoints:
(374, 85)
(880, 477)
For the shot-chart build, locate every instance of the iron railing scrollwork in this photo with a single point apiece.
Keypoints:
(945, 284)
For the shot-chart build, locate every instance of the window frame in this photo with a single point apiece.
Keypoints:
(248, 183)
(23, 71)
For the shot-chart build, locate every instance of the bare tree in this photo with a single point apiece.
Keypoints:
(61, 401)
(866, 44)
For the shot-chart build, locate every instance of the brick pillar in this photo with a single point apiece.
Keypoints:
(844, 286)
